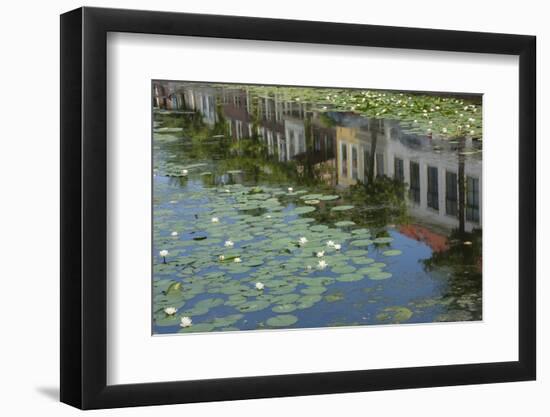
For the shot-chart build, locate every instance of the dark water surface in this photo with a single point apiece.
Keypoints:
(244, 174)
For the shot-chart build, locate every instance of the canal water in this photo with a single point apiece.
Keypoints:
(295, 208)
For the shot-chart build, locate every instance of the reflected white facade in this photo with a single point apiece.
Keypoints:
(432, 177)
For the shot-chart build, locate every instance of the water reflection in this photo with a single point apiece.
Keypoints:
(422, 187)
(442, 178)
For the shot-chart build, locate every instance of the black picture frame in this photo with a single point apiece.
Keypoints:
(84, 207)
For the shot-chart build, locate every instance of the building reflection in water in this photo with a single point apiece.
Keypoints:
(442, 178)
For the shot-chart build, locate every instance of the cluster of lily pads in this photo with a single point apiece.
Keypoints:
(238, 250)
(446, 117)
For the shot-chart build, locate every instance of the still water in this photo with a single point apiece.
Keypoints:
(298, 208)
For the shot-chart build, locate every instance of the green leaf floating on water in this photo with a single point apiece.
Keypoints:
(362, 261)
(393, 252)
(394, 314)
(286, 298)
(334, 297)
(174, 288)
(311, 196)
(344, 223)
(361, 242)
(345, 269)
(383, 240)
(379, 275)
(342, 208)
(329, 197)
(255, 305)
(284, 308)
(209, 303)
(282, 320)
(350, 277)
(303, 210)
(314, 289)
(308, 301)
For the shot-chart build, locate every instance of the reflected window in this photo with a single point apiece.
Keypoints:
(379, 165)
(366, 163)
(472, 199)
(291, 149)
(399, 170)
(433, 188)
(344, 153)
(414, 190)
(317, 142)
(328, 145)
(354, 162)
(451, 193)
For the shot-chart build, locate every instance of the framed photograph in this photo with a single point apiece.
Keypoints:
(256, 208)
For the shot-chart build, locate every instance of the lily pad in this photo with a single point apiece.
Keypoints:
(350, 277)
(383, 240)
(282, 320)
(392, 252)
(342, 208)
(361, 242)
(284, 308)
(394, 314)
(303, 210)
(344, 269)
(255, 305)
(379, 275)
(344, 223)
(314, 289)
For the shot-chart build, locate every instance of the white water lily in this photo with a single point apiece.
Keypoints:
(221, 258)
(170, 311)
(322, 264)
(330, 244)
(471, 132)
(174, 233)
(415, 121)
(290, 189)
(320, 254)
(471, 120)
(186, 322)
(184, 172)
(259, 286)
(465, 107)
(268, 216)
(228, 244)
(444, 130)
(430, 122)
(302, 241)
(437, 107)
(237, 260)
(215, 220)
(308, 267)
(227, 190)
(163, 253)
(467, 126)
(337, 246)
